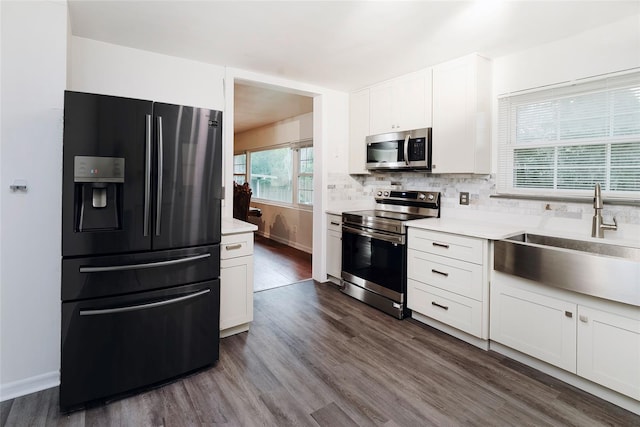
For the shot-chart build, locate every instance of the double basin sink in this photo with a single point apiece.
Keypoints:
(597, 269)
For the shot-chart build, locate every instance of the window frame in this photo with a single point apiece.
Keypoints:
(294, 151)
(246, 164)
(508, 144)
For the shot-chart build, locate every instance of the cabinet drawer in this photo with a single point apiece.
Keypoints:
(448, 245)
(460, 277)
(236, 245)
(449, 308)
(334, 223)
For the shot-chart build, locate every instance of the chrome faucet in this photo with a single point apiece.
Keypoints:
(598, 225)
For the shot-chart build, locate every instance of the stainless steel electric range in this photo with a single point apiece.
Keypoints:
(374, 250)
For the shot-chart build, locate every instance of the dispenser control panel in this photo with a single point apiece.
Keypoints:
(98, 169)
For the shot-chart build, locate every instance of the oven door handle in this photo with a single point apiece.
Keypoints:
(392, 238)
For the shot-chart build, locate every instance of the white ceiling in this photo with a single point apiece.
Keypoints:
(343, 45)
(257, 106)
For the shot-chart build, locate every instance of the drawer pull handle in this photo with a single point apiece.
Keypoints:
(233, 247)
(568, 314)
(444, 307)
(335, 223)
(440, 245)
(440, 273)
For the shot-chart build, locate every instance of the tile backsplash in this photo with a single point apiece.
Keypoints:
(343, 188)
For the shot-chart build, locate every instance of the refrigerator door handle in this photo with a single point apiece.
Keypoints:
(160, 162)
(141, 266)
(147, 176)
(142, 306)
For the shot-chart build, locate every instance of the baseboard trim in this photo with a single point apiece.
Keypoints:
(463, 336)
(602, 392)
(285, 242)
(29, 385)
(234, 330)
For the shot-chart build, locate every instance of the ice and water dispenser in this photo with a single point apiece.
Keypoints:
(98, 185)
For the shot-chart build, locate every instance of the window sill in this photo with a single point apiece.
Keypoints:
(569, 199)
(299, 207)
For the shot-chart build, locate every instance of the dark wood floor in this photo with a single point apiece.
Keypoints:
(314, 356)
(276, 264)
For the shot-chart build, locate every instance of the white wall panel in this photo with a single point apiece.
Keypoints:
(33, 79)
(108, 69)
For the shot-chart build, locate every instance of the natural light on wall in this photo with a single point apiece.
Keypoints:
(565, 140)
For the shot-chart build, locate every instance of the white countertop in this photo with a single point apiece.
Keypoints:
(467, 227)
(235, 226)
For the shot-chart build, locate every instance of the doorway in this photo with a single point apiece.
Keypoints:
(273, 155)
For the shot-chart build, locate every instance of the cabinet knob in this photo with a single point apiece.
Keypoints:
(583, 318)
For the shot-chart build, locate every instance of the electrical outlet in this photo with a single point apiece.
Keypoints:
(464, 198)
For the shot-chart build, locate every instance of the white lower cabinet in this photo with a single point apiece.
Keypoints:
(596, 339)
(236, 283)
(609, 350)
(447, 281)
(534, 324)
(334, 247)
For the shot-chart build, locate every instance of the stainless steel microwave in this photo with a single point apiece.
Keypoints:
(409, 150)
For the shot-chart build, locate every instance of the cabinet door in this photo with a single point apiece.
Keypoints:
(462, 115)
(534, 324)
(334, 245)
(454, 116)
(236, 292)
(412, 99)
(334, 254)
(381, 109)
(358, 131)
(609, 350)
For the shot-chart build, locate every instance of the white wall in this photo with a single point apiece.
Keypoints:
(330, 135)
(33, 78)
(109, 69)
(288, 225)
(606, 49)
(285, 131)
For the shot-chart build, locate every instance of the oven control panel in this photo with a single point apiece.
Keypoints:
(431, 197)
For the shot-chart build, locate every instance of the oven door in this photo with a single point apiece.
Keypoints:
(375, 261)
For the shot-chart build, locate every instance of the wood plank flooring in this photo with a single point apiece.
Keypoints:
(315, 357)
(276, 264)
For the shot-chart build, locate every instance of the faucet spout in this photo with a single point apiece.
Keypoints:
(597, 198)
(598, 225)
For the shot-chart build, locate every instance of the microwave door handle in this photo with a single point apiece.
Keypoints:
(406, 149)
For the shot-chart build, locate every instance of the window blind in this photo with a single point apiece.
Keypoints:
(565, 140)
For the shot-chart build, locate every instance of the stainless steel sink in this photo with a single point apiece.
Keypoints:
(599, 248)
(598, 269)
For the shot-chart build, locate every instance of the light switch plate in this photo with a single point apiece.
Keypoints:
(464, 198)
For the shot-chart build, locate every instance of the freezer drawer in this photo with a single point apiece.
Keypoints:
(101, 276)
(119, 344)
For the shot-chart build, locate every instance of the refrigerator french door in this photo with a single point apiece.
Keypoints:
(170, 186)
(140, 226)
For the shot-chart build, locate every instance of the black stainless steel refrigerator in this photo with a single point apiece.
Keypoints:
(141, 206)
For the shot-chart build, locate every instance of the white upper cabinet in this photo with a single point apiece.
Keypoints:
(358, 131)
(401, 104)
(462, 116)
